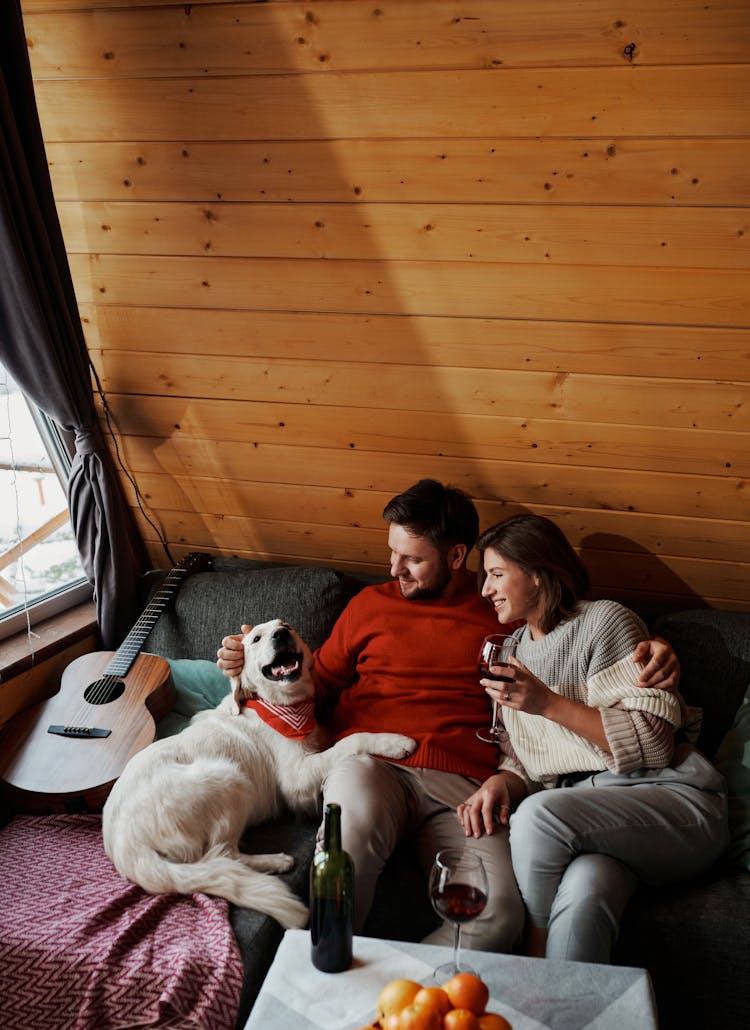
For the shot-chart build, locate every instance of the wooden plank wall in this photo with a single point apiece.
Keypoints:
(324, 249)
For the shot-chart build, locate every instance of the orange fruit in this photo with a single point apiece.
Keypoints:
(396, 995)
(419, 1017)
(460, 1019)
(390, 1022)
(467, 991)
(492, 1021)
(433, 998)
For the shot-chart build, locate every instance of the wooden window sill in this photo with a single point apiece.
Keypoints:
(20, 652)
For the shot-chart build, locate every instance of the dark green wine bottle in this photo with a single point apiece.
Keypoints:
(331, 898)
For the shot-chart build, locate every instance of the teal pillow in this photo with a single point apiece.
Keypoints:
(733, 762)
(199, 684)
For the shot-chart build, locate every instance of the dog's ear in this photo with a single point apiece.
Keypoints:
(239, 694)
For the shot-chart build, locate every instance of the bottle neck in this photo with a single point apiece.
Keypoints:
(332, 828)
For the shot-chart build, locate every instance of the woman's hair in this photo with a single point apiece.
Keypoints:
(444, 514)
(541, 549)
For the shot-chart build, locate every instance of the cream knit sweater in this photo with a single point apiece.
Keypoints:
(588, 659)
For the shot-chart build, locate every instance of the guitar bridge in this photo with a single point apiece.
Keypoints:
(79, 732)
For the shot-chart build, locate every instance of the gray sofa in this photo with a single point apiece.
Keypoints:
(693, 938)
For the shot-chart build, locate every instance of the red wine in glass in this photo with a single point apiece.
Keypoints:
(503, 677)
(496, 650)
(458, 893)
(458, 902)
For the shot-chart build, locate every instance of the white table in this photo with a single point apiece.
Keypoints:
(532, 994)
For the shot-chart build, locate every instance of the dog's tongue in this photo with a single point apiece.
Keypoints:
(284, 670)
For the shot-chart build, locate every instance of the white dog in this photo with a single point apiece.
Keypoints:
(173, 820)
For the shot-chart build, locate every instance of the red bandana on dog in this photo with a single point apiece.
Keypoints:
(294, 721)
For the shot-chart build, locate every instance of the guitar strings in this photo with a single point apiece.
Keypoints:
(112, 673)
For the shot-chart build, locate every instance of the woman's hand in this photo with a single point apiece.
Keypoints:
(231, 654)
(525, 692)
(490, 804)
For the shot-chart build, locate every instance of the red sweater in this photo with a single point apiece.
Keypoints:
(398, 666)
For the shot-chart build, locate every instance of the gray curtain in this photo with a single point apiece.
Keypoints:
(42, 344)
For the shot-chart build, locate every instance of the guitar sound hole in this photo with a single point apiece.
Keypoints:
(102, 691)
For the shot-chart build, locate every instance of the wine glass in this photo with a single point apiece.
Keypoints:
(497, 649)
(458, 892)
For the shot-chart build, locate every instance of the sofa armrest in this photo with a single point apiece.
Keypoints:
(714, 651)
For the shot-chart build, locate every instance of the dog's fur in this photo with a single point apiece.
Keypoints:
(173, 820)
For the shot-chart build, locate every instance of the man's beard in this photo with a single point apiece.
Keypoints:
(431, 593)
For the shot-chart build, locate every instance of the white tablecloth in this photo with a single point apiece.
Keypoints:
(532, 994)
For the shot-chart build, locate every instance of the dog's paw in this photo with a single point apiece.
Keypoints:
(283, 862)
(279, 862)
(392, 745)
(387, 745)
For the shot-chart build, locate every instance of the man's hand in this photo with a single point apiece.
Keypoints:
(662, 665)
(231, 654)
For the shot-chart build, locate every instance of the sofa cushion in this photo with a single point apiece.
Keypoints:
(401, 908)
(714, 652)
(693, 939)
(212, 604)
(259, 936)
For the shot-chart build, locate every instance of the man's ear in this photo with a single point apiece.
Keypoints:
(457, 556)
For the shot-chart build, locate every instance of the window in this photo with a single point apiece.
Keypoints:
(40, 570)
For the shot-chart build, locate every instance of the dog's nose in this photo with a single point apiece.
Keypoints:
(282, 633)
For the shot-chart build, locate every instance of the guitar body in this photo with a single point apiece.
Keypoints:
(55, 772)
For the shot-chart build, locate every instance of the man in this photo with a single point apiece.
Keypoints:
(402, 658)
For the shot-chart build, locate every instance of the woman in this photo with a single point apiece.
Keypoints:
(635, 806)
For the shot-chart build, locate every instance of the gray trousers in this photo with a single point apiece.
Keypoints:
(580, 851)
(381, 803)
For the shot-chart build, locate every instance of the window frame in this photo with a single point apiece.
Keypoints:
(60, 447)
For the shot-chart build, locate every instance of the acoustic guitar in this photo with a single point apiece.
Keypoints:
(64, 754)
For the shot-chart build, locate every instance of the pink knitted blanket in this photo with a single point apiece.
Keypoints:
(80, 948)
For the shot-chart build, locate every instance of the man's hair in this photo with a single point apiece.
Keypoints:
(541, 549)
(444, 514)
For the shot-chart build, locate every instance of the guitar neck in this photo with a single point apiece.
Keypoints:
(133, 642)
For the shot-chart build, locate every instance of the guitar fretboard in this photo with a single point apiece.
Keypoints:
(133, 642)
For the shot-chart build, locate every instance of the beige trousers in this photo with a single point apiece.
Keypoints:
(382, 803)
